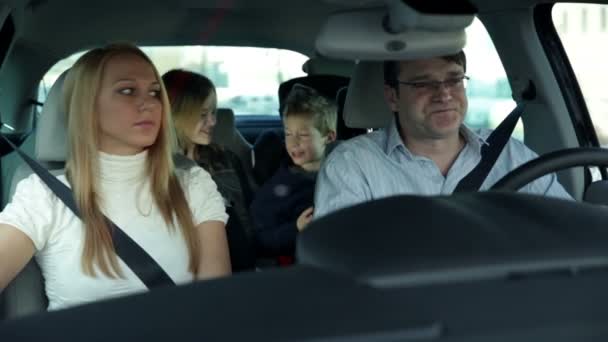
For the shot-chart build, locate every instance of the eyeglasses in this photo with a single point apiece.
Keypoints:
(452, 83)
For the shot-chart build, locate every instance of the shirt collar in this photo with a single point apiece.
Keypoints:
(394, 141)
(473, 139)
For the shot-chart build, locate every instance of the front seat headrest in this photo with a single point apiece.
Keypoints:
(365, 106)
(344, 132)
(51, 133)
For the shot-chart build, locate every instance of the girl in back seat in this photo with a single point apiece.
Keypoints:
(193, 104)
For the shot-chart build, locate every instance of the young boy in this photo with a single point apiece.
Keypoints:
(283, 206)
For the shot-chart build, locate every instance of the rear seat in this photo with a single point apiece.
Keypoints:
(228, 136)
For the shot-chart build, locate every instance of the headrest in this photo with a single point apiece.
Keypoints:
(227, 135)
(365, 106)
(320, 65)
(224, 127)
(344, 132)
(326, 85)
(52, 132)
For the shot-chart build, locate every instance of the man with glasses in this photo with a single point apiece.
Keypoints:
(426, 150)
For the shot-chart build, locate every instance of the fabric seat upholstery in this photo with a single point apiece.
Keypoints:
(343, 131)
(364, 106)
(25, 294)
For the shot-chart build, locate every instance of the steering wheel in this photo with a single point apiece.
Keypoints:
(549, 163)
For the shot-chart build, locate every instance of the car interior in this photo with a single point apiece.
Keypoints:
(481, 266)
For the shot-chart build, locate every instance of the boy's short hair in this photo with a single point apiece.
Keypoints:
(304, 100)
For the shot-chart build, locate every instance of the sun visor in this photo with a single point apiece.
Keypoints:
(371, 34)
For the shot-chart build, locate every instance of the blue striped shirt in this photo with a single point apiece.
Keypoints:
(378, 164)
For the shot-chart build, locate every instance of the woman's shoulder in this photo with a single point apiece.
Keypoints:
(36, 186)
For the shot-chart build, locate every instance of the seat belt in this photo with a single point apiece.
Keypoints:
(138, 260)
(490, 151)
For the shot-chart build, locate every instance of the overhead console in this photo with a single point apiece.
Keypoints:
(394, 29)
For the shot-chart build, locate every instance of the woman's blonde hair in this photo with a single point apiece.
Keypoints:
(81, 87)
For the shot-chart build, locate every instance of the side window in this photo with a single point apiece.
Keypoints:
(488, 89)
(583, 30)
(247, 79)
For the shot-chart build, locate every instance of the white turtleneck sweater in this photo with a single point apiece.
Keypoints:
(58, 235)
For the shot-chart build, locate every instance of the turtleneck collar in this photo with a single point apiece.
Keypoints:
(122, 169)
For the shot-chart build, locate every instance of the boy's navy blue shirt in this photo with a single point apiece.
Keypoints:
(277, 206)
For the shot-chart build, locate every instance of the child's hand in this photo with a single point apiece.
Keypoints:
(304, 219)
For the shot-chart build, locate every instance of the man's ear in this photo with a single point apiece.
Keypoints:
(330, 137)
(391, 98)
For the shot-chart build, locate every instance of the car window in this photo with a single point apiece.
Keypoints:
(247, 79)
(583, 30)
(488, 89)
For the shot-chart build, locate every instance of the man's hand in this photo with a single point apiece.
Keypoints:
(304, 219)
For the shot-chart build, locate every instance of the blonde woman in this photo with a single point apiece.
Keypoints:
(119, 165)
(194, 108)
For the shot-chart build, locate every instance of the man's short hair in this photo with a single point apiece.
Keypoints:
(304, 100)
(392, 68)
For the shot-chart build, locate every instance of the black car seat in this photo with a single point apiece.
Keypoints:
(228, 136)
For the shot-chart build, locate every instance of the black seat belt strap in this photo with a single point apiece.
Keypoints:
(490, 151)
(138, 260)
